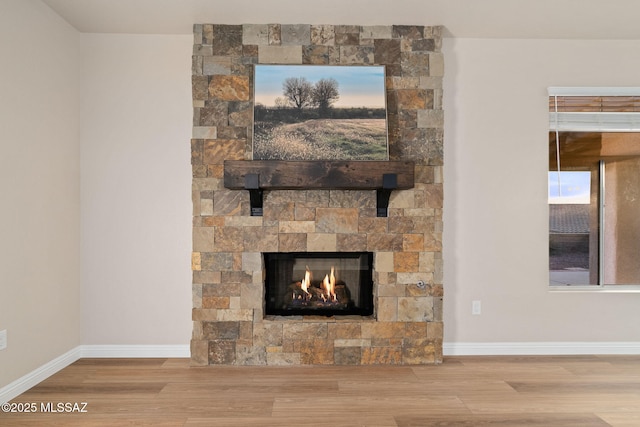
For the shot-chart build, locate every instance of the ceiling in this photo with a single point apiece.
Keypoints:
(550, 19)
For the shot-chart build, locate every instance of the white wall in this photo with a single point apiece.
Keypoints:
(136, 189)
(39, 187)
(496, 224)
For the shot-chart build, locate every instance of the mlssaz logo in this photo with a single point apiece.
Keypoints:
(66, 407)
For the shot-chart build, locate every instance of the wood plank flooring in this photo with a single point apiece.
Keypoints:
(463, 391)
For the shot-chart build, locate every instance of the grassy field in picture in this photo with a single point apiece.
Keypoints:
(321, 139)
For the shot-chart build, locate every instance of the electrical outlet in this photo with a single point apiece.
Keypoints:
(476, 307)
(3, 339)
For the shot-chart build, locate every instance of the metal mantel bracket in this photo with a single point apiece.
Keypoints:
(389, 183)
(252, 183)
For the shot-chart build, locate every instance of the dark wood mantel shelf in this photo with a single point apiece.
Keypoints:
(259, 175)
(317, 174)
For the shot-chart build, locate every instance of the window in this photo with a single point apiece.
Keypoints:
(594, 186)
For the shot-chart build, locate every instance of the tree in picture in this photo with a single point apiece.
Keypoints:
(298, 92)
(325, 93)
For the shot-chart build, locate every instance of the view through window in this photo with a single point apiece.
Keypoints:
(594, 186)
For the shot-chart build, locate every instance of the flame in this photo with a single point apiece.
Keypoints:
(306, 282)
(327, 287)
(329, 284)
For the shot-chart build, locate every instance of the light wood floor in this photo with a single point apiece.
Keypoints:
(463, 391)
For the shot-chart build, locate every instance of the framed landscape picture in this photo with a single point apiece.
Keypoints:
(320, 112)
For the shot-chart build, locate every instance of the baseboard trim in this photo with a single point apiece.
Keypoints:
(540, 348)
(136, 351)
(38, 375)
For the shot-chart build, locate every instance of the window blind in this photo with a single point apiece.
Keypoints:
(595, 109)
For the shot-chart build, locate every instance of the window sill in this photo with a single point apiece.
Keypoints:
(625, 289)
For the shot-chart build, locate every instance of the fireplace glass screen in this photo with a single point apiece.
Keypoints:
(318, 283)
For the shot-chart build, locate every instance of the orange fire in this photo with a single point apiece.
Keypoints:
(329, 284)
(306, 282)
(326, 291)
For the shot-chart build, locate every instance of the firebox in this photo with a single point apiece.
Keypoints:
(318, 283)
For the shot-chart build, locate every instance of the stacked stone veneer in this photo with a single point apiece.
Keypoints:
(229, 322)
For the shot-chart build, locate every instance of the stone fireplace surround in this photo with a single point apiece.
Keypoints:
(229, 326)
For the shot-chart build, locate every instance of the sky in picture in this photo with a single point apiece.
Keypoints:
(359, 86)
(572, 187)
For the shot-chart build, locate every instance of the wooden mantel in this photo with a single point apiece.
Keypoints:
(259, 175)
(317, 174)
